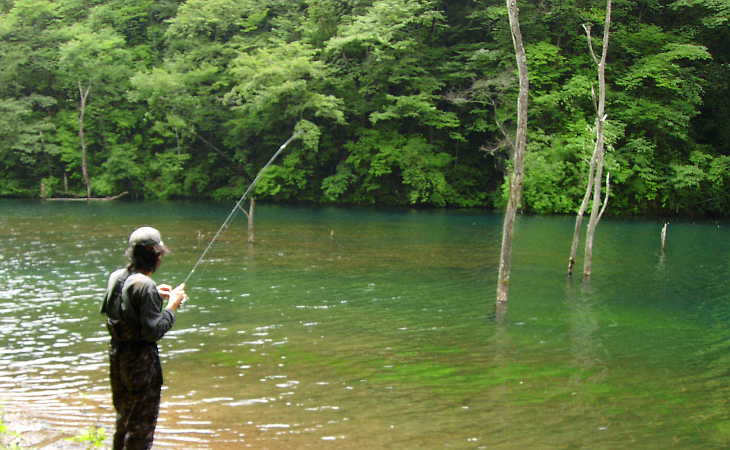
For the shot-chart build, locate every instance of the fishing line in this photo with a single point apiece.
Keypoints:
(238, 205)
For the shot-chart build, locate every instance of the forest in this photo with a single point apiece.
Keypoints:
(394, 102)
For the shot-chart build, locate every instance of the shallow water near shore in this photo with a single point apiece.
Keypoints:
(363, 328)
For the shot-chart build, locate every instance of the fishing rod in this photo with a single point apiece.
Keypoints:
(238, 205)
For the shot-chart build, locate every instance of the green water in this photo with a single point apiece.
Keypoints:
(358, 328)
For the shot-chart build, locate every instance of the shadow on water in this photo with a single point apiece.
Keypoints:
(363, 328)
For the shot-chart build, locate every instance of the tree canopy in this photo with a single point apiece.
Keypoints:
(398, 102)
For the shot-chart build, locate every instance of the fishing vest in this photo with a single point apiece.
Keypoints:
(121, 330)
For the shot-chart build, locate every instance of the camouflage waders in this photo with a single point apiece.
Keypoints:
(136, 379)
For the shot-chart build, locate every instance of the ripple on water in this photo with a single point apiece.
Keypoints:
(251, 401)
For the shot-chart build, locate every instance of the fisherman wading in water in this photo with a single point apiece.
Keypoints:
(136, 320)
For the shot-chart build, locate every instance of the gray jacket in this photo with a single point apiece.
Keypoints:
(133, 299)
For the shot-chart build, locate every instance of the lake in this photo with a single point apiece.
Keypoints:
(361, 328)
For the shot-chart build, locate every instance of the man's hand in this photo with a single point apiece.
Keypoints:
(164, 290)
(176, 297)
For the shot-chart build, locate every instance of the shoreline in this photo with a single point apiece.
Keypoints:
(28, 431)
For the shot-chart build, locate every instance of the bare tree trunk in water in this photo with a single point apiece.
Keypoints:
(249, 216)
(579, 215)
(582, 210)
(515, 191)
(596, 210)
(83, 96)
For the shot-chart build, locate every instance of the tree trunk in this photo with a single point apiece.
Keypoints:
(599, 149)
(84, 95)
(515, 191)
(249, 216)
(579, 215)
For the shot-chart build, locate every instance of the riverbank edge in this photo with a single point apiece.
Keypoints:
(25, 431)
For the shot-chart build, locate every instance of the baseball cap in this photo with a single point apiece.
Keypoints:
(145, 236)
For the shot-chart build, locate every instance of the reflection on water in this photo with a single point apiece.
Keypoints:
(358, 328)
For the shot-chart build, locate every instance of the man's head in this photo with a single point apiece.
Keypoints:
(145, 236)
(145, 249)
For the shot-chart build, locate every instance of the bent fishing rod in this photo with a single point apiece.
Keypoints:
(238, 205)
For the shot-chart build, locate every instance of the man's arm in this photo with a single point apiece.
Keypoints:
(154, 321)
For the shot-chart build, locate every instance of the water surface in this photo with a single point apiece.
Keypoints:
(359, 328)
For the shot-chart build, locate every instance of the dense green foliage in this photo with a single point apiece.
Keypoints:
(400, 102)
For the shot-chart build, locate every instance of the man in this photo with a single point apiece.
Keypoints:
(136, 321)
